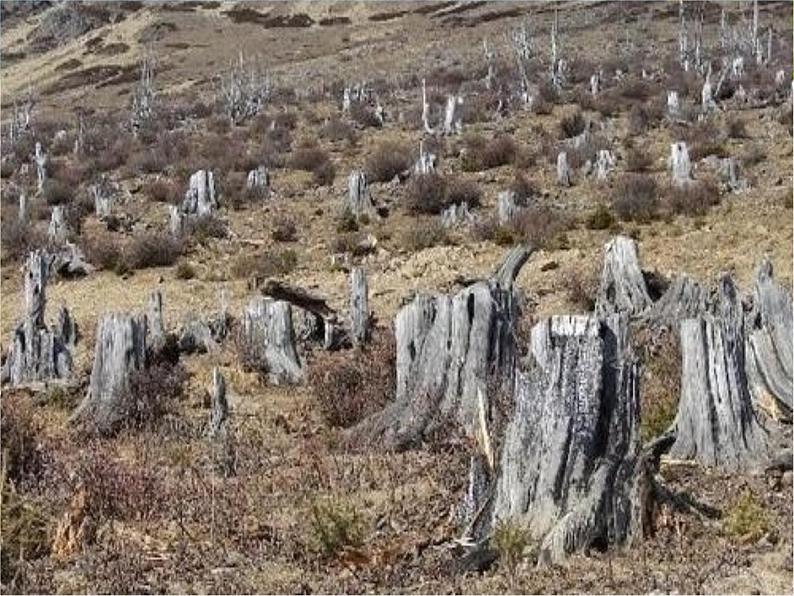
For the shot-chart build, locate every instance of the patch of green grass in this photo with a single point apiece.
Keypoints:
(511, 542)
(747, 520)
(335, 526)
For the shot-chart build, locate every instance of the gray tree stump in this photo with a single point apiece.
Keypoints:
(155, 328)
(680, 165)
(268, 333)
(457, 215)
(359, 306)
(506, 208)
(447, 349)
(120, 350)
(426, 162)
(258, 179)
(103, 199)
(200, 197)
(176, 220)
(563, 170)
(605, 163)
(68, 260)
(426, 110)
(41, 159)
(570, 469)
(622, 287)
(453, 123)
(673, 104)
(220, 406)
(22, 212)
(769, 345)
(37, 353)
(58, 231)
(715, 424)
(685, 298)
(359, 200)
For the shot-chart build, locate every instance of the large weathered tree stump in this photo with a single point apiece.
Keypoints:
(155, 327)
(716, 424)
(680, 166)
(37, 353)
(270, 340)
(58, 231)
(570, 468)
(447, 349)
(769, 345)
(622, 287)
(200, 197)
(563, 169)
(120, 350)
(685, 298)
(359, 200)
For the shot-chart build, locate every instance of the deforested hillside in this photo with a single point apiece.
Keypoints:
(438, 296)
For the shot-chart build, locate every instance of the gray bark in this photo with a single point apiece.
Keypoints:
(200, 197)
(359, 198)
(58, 231)
(155, 328)
(680, 165)
(457, 215)
(769, 345)
(267, 329)
(219, 404)
(452, 116)
(103, 199)
(120, 350)
(447, 349)
(673, 104)
(22, 213)
(41, 159)
(69, 261)
(426, 162)
(570, 469)
(563, 170)
(176, 220)
(685, 298)
(258, 178)
(622, 287)
(359, 306)
(506, 208)
(605, 163)
(715, 424)
(37, 353)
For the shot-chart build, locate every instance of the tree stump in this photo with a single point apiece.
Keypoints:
(359, 306)
(673, 104)
(680, 165)
(58, 231)
(453, 123)
(219, 404)
(506, 208)
(37, 353)
(769, 345)
(685, 298)
(359, 198)
(622, 287)
(605, 163)
(155, 328)
(457, 215)
(563, 170)
(447, 349)
(715, 424)
(258, 178)
(570, 469)
(426, 162)
(268, 334)
(176, 220)
(120, 350)
(200, 197)
(22, 212)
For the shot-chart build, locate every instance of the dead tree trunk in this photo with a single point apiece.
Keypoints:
(37, 353)
(768, 347)
(220, 406)
(506, 208)
(155, 328)
(267, 328)
(176, 220)
(563, 170)
(715, 424)
(622, 286)
(359, 198)
(200, 197)
(41, 159)
(570, 469)
(258, 179)
(447, 349)
(120, 351)
(359, 306)
(58, 232)
(680, 165)
(685, 298)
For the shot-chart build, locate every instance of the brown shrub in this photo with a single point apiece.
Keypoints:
(571, 125)
(542, 227)
(524, 188)
(315, 160)
(56, 192)
(481, 154)
(736, 128)
(694, 199)
(324, 174)
(152, 249)
(754, 155)
(386, 161)
(635, 198)
(20, 457)
(150, 393)
(102, 251)
(207, 226)
(582, 287)
(364, 115)
(427, 193)
(18, 239)
(461, 190)
(284, 229)
(638, 160)
(600, 219)
(424, 235)
(337, 129)
(351, 385)
(265, 264)
(163, 190)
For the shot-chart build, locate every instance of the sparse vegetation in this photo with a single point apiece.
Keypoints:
(335, 527)
(386, 161)
(636, 198)
(747, 519)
